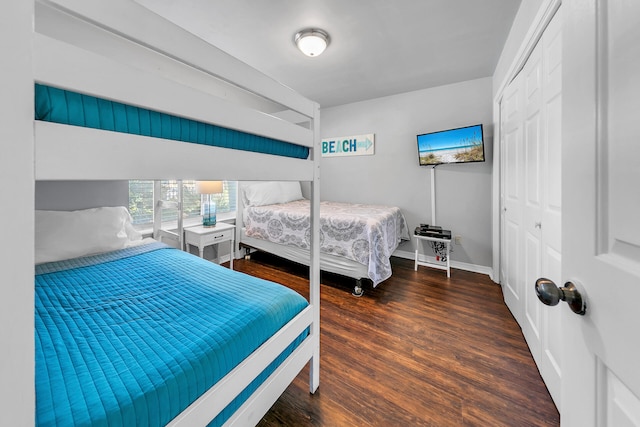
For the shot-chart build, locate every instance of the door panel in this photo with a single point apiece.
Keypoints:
(601, 207)
(531, 175)
(531, 328)
(511, 287)
(511, 185)
(531, 226)
(623, 406)
(551, 360)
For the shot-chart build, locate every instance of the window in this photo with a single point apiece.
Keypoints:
(142, 200)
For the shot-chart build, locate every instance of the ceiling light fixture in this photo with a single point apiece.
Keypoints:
(312, 41)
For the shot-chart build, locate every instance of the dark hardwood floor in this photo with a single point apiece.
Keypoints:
(418, 350)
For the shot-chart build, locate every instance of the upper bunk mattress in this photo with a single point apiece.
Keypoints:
(71, 108)
(367, 234)
(132, 337)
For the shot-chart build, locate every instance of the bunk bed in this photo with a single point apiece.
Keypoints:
(120, 55)
(356, 240)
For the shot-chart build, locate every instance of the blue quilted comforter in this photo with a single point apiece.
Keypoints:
(134, 336)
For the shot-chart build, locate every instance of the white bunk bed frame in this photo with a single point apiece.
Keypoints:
(121, 51)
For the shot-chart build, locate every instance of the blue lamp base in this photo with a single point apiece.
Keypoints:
(209, 214)
(209, 222)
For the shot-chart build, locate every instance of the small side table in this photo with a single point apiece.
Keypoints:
(204, 236)
(447, 243)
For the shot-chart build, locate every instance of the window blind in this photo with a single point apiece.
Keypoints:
(142, 200)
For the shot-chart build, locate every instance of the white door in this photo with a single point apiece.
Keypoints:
(543, 208)
(531, 120)
(511, 113)
(601, 212)
(531, 244)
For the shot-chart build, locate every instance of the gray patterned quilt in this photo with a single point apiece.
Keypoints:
(367, 234)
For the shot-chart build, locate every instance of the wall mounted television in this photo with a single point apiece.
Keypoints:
(461, 145)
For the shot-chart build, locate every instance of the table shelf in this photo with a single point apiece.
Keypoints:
(446, 266)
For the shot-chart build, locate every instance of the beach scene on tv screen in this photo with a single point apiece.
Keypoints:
(451, 146)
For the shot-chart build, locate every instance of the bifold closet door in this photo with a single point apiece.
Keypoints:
(511, 145)
(531, 226)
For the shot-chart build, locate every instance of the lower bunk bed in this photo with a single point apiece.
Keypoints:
(151, 335)
(356, 240)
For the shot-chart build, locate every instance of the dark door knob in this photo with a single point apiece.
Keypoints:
(550, 294)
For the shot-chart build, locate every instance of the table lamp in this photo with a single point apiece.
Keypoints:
(209, 206)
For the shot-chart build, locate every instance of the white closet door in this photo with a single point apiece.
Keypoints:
(532, 227)
(511, 145)
(551, 358)
(531, 223)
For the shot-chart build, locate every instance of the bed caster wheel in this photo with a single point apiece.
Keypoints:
(357, 291)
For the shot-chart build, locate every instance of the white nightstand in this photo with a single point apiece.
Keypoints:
(204, 236)
(441, 266)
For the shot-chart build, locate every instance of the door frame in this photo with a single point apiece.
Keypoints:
(546, 12)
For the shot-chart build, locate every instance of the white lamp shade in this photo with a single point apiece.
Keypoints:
(312, 42)
(208, 187)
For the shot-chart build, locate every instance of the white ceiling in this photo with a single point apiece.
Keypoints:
(378, 47)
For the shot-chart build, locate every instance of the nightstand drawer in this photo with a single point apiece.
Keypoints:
(221, 236)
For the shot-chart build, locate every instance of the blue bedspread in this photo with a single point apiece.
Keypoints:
(71, 108)
(133, 337)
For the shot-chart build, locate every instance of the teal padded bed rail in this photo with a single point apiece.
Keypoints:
(71, 108)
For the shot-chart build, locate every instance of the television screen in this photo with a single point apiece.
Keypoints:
(460, 145)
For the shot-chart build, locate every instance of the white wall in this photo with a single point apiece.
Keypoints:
(72, 195)
(392, 176)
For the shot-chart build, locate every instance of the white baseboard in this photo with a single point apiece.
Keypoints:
(223, 259)
(407, 255)
(454, 264)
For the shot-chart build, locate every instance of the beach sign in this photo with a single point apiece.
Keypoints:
(355, 145)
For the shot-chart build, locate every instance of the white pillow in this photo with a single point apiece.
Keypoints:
(63, 235)
(272, 192)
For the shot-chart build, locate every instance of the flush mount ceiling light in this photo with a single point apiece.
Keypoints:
(312, 42)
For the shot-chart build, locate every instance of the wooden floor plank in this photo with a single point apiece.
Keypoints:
(418, 350)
